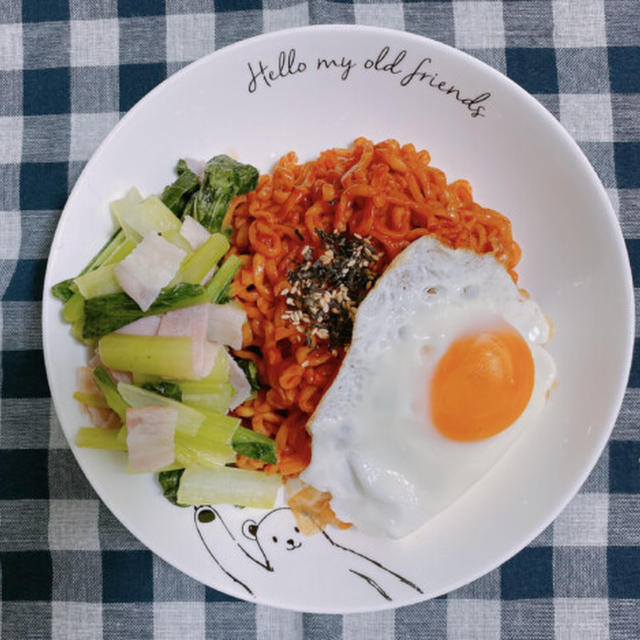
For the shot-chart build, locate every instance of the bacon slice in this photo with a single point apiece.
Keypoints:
(119, 376)
(143, 327)
(94, 362)
(239, 383)
(116, 376)
(150, 437)
(148, 268)
(193, 232)
(192, 322)
(85, 382)
(103, 418)
(209, 353)
(225, 324)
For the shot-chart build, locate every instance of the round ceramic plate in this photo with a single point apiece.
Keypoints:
(314, 88)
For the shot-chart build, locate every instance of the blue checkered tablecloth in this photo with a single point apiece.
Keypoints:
(68, 71)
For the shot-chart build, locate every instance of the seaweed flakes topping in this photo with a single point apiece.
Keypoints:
(326, 289)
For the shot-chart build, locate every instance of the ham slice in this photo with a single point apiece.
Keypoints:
(225, 324)
(101, 417)
(104, 418)
(148, 268)
(189, 321)
(208, 358)
(85, 382)
(192, 322)
(150, 437)
(239, 383)
(143, 327)
(120, 376)
(116, 376)
(193, 232)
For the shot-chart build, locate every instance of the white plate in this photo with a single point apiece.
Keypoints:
(519, 160)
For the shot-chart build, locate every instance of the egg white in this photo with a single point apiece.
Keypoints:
(373, 444)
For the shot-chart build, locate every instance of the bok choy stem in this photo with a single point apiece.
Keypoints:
(63, 290)
(96, 438)
(223, 277)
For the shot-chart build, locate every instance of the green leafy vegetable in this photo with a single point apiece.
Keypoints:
(188, 421)
(225, 295)
(251, 372)
(99, 282)
(105, 314)
(203, 450)
(96, 438)
(162, 356)
(126, 203)
(63, 290)
(218, 427)
(222, 279)
(177, 194)
(219, 374)
(216, 398)
(109, 248)
(165, 388)
(73, 309)
(244, 441)
(224, 179)
(73, 313)
(228, 485)
(196, 266)
(254, 445)
(149, 215)
(91, 400)
(109, 390)
(170, 482)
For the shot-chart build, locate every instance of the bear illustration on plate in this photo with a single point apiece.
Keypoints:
(275, 544)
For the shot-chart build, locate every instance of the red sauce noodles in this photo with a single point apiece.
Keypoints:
(386, 192)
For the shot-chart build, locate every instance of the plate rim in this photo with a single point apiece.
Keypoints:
(550, 122)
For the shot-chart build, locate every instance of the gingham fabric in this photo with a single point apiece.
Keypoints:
(68, 71)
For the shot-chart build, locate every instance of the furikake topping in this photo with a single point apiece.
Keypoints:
(326, 289)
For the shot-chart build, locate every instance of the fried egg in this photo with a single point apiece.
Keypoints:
(446, 369)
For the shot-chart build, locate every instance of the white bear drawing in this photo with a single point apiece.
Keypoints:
(275, 544)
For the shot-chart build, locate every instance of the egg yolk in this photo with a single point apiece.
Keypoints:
(482, 384)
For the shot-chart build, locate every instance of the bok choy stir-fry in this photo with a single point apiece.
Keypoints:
(154, 307)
